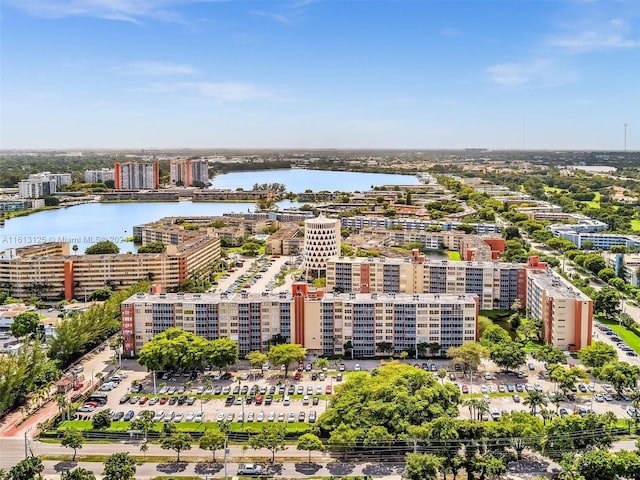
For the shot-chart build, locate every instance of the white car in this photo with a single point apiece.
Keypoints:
(251, 417)
(158, 416)
(260, 417)
(163, 390)
(271, 417)
(249, 469)
(87, 408)
(199, 417)
(189, 417)
(179, 417)
(357, 367)
(220, 416)
(169, 416)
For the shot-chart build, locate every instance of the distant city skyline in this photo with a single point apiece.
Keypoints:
(314, 74)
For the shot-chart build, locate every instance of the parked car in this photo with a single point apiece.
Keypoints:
(249, 469)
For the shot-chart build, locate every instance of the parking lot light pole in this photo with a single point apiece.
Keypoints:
(225, 457)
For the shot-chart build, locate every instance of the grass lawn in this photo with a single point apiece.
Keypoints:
(552, 189)
(297, 427)
(454, 256)
(635, 225)
(628, 336)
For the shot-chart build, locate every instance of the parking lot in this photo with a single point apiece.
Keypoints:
(248, 398)
(244, 397)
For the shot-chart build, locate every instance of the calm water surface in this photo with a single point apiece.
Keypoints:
(87, 224)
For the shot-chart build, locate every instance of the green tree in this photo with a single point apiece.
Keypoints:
(534, 400)
(25, 324)
(551, 354)
(606, 274)
(152, 247)
(566, 378)
(102, 248)
(223, 352)
(100, 295)
(175, 349)
(143, 423)
(178, 441)
(271, 437)
(256, 359)
(119, 466)
(101, 419)
(310, 443)
(78, 474)
(377, 436)
(213, 439)
(594, 263)
(597, 354)
(322, 363)
(28, 469)
(72, 439)
(620, 374)
(469, 355)
(598, 465)
(422, 466)
(607, 302)
(508, 355)
(343, 439)
(495, 334)
(286, 354)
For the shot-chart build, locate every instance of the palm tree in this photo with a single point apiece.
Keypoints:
(62, 402)
(535, 399)
(546, 414)
(477, 407)
(144, 447)
(482, 409)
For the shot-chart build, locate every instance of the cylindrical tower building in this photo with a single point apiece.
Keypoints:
(321, 242)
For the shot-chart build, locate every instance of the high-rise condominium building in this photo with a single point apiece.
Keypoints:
(102, 175)
(189, 172)
(137, 176)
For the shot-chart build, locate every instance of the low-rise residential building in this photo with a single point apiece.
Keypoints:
(49, 271)
(595, 241)
(322, 324)
(626, 266)
(359, 222)
(288, 240)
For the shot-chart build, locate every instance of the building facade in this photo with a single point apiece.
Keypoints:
(97, 176)
(566, 312)
(136, 176)
(49, 270)
(321, 324)
(36, 187)
(321, 243)
(497, 285)
(189, 172)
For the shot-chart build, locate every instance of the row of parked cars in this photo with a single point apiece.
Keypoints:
(158, 416)
(616, 339)
(261, 416)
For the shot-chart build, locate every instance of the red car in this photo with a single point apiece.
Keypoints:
(144, 400)
(259, 399)
(164, 400)
(78, 386)
(328, 390)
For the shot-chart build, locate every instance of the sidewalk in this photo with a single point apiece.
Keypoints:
(11, 426)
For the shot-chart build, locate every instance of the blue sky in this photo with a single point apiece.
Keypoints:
(557, 74)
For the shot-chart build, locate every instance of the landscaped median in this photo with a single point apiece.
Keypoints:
(627, 335)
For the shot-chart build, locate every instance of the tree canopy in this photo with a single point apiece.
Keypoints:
(101, 248)
(285, 354)
(394, 396)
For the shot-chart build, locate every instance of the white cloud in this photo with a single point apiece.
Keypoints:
(219, 91)
(229, 91)
(155, 68)
(612, 34)
(122, 10)
(278, 17)
(537, 73)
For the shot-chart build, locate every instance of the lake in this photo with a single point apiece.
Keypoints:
(89, 223)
